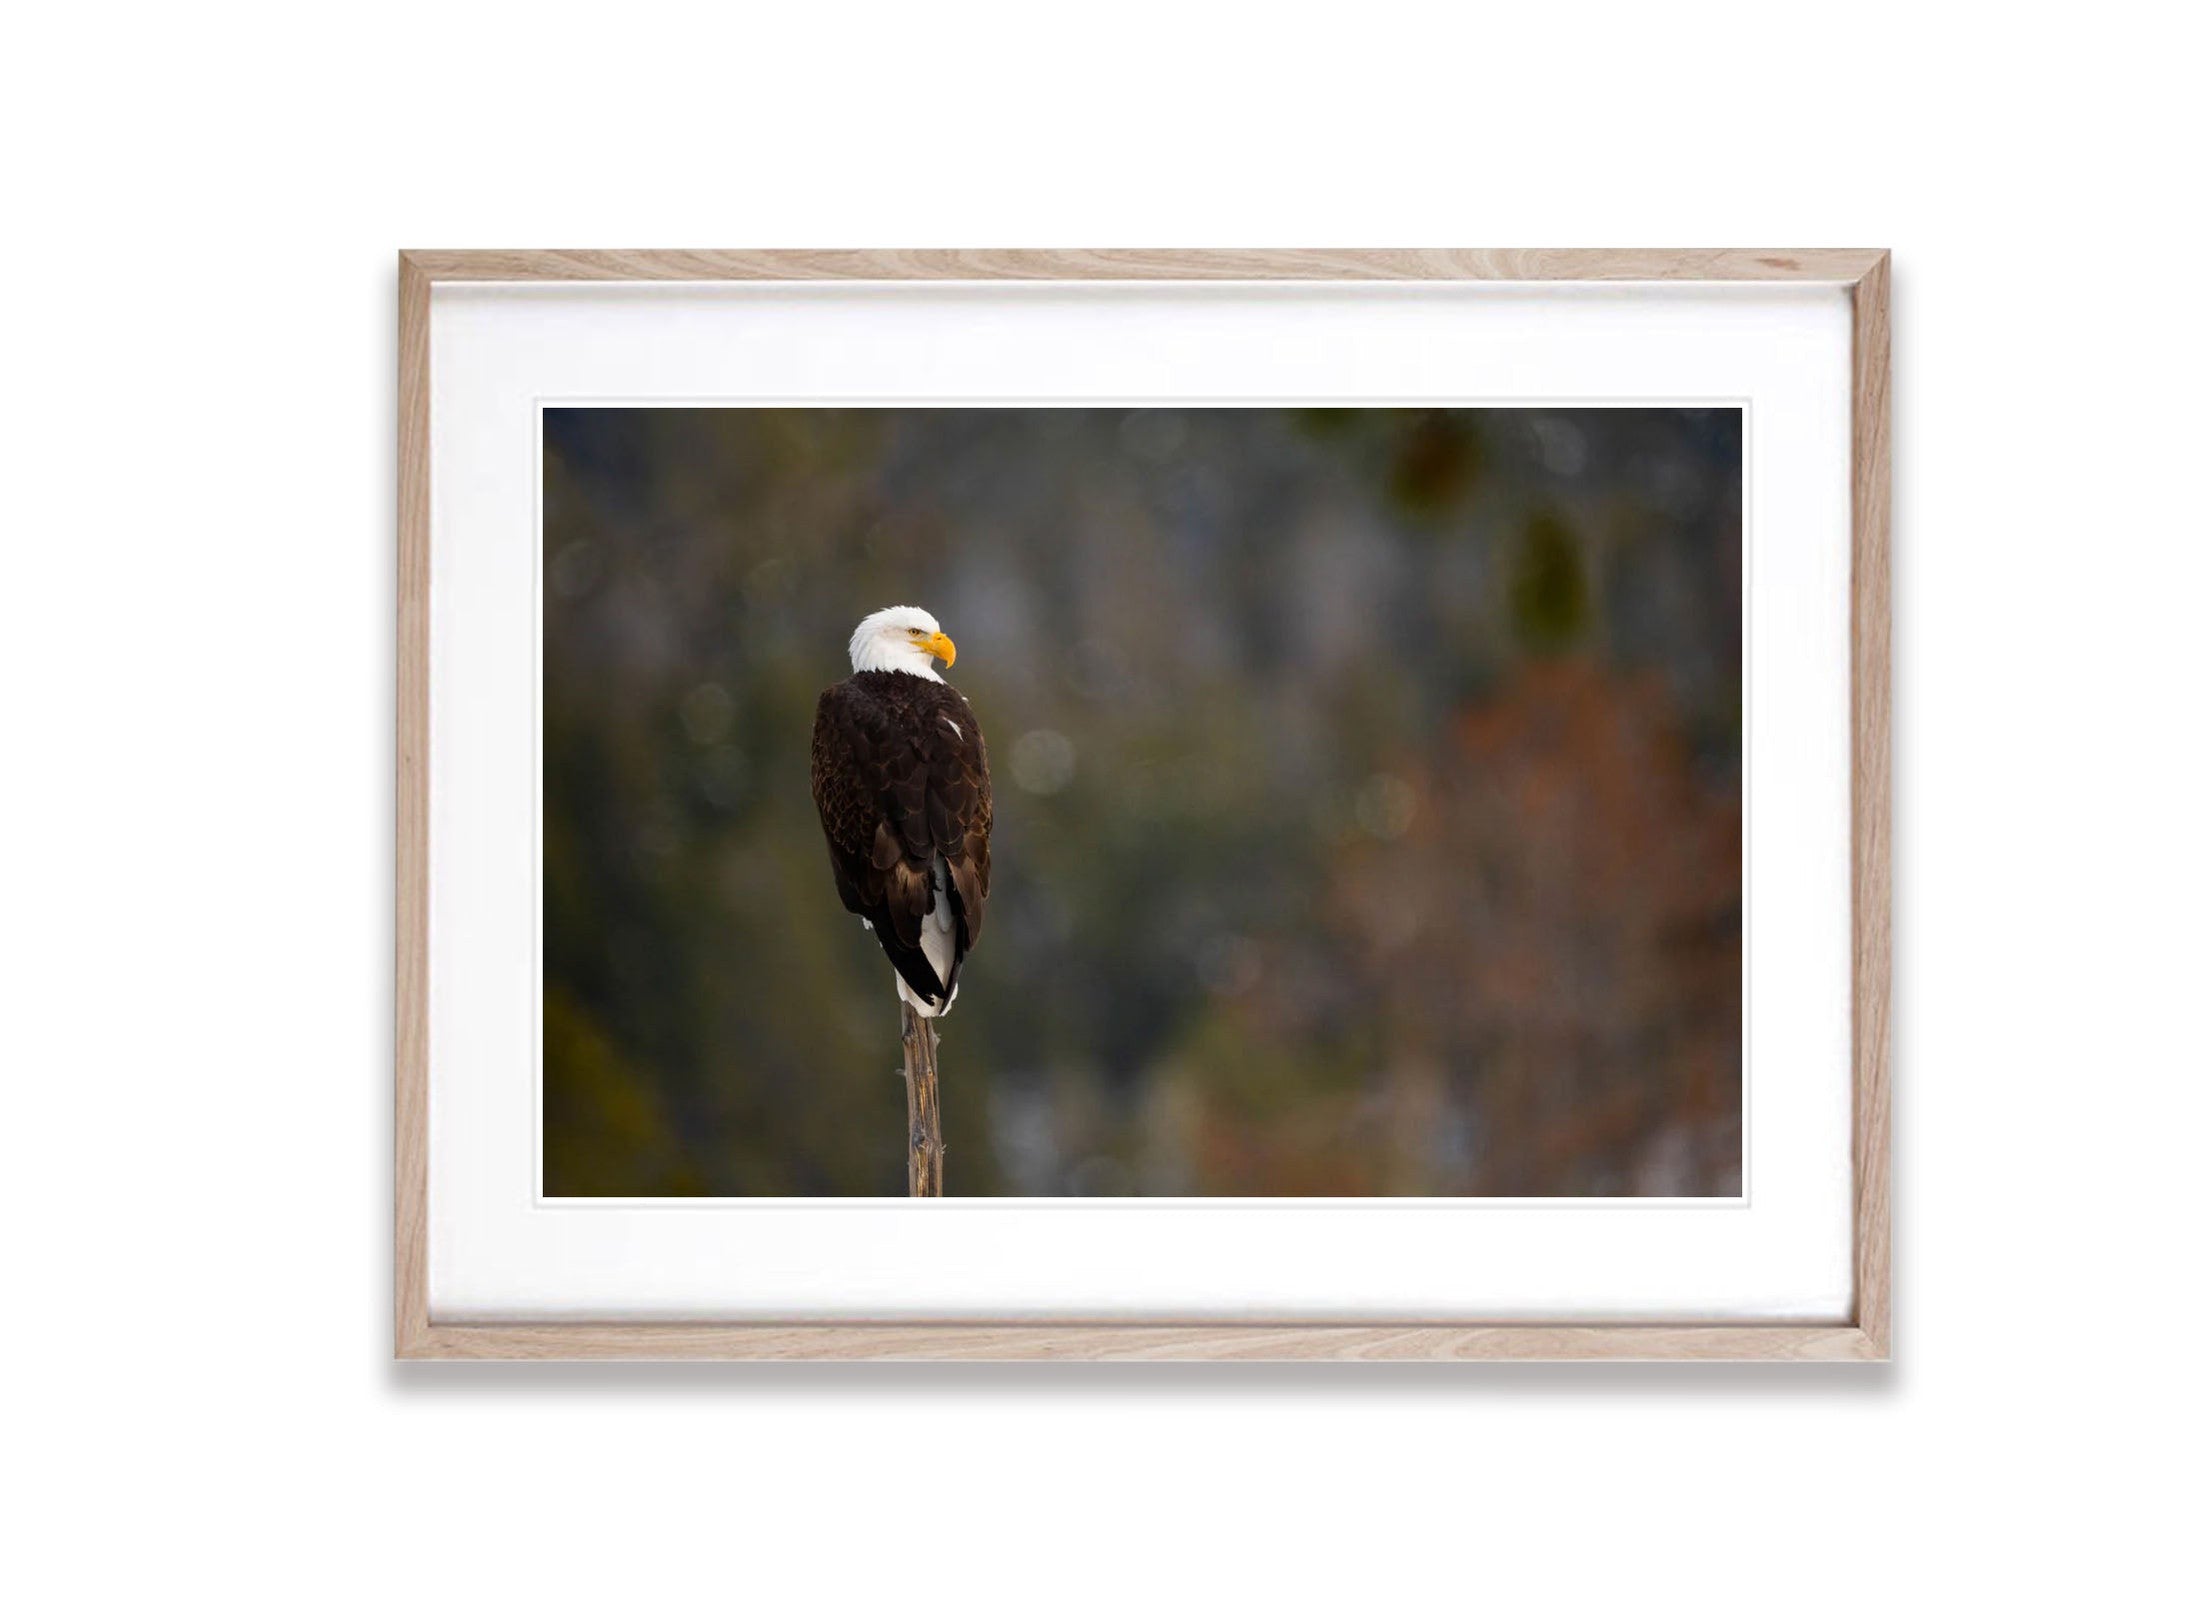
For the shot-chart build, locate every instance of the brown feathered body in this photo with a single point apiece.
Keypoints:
(897, 767)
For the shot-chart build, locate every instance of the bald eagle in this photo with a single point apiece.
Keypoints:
(897, 767)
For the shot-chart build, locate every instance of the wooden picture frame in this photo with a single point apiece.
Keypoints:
(1863, 1336)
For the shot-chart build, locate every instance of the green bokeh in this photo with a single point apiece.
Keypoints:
(1367, 788)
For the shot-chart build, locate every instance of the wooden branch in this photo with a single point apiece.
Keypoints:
(920, 1065)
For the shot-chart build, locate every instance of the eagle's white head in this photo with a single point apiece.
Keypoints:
(901, 638)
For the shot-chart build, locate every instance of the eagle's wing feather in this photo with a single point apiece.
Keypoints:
(962, 800)
(860, 783)
(901, 786)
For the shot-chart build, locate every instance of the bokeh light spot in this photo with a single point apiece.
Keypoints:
(1043, 761)
(707, 713)
(1385, 806)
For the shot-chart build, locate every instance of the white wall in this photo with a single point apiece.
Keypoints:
(195, 630)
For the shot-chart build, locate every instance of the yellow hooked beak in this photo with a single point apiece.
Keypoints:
(940, 645)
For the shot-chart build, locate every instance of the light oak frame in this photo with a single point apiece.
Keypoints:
(1864, 1335)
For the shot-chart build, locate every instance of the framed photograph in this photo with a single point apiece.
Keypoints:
(1139, 804)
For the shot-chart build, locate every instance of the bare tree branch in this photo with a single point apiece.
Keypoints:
(920, 1065)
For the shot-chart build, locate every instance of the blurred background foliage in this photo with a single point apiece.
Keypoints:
(1367, 784)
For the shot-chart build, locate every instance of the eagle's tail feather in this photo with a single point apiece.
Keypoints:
(917, 1003)
(913, 974)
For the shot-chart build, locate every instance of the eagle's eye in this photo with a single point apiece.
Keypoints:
(916, 632)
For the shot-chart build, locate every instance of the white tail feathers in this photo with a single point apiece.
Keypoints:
(937, 940)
